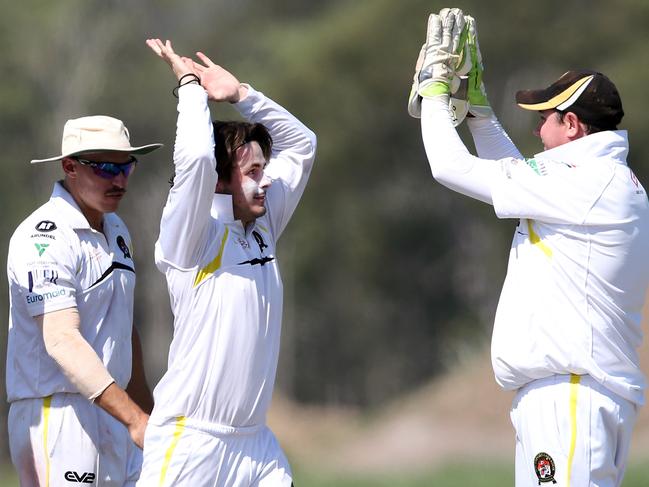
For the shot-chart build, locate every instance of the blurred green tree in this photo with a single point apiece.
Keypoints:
(389, 277)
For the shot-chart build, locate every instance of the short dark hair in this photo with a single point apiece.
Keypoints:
(228, 137)
(590, 128)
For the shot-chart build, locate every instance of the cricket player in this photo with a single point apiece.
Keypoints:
(567, 327)
(75, 380)
(217, 251)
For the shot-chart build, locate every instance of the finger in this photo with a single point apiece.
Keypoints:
(199, 67)
(169, 47)
(207, 61)
(155, 46)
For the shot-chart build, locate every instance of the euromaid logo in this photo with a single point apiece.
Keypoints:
(41, 248)
(35, 298)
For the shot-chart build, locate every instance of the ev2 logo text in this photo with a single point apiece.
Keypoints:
(82, 478)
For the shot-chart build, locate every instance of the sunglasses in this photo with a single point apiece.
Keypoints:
(109, 170)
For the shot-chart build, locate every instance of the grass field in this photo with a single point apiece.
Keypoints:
(460, 475)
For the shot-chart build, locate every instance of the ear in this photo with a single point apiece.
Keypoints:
(222, 187)
(575, 129)
(69, 167)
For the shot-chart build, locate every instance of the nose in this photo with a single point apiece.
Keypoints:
(265, 182)
(120, 180)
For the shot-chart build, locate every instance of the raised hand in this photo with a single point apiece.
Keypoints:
(179, 65)
(442, 59)
(220, 84)
(477, 95)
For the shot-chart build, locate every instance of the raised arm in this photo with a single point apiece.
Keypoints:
(291, 162)
(491, 140)
(187, 211)
(435, 71)
(293, 144)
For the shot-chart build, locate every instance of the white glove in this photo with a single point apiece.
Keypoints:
(442, 58)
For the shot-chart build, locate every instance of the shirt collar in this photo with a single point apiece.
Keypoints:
(65, 204)
(68, 208)
(222, 207)
(223, 211)
(610, 143)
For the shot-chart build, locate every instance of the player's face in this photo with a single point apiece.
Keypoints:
(248, 183)
(96, 190)
(551, 129)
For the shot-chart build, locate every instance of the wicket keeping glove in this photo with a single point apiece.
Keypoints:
(476, 93)
(442, 58)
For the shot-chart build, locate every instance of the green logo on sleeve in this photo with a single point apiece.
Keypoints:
(41, 248)
(533, 165)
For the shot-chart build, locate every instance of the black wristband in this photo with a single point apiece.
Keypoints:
(192, 75)
(194, 79)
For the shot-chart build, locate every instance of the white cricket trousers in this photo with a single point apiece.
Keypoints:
(571, 432)
(177, 454)
(65, 440)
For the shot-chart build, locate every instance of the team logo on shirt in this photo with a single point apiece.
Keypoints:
(82, 478)
(544, 468)
(123, 247)
(636, 183)
(41, 247)
(257, 261)
(40, 298)
(537, 166)
(259, 240)
(45, 226)
(41, 276)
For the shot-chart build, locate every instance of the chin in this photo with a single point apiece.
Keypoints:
(111, 207)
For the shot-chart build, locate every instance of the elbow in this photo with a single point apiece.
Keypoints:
(195, 155)
(312, 142)
(308, 151)
(442, 174)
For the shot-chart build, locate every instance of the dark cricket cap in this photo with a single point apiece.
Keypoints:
(588, 94)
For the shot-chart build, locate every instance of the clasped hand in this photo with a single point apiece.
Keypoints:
(219, 83)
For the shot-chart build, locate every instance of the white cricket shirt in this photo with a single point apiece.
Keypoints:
(579, 262)
(578, 267)
(57, 261)
(224, 282)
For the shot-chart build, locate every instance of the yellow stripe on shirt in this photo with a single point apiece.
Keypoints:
(180, 426)
(214, 265)
(574, 389)
(536, 240)
(47, 402)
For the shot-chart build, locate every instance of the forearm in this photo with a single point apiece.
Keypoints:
(186, 213)
(78, 361)
(491, 140)
(83, 368)
(116, 402)
(137, 388)
(292, 157)
(451, 163)
(287, 132)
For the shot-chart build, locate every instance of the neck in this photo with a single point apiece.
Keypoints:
(95, 218)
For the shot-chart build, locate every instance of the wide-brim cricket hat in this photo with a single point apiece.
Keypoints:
(588, 94)
(97, 133)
